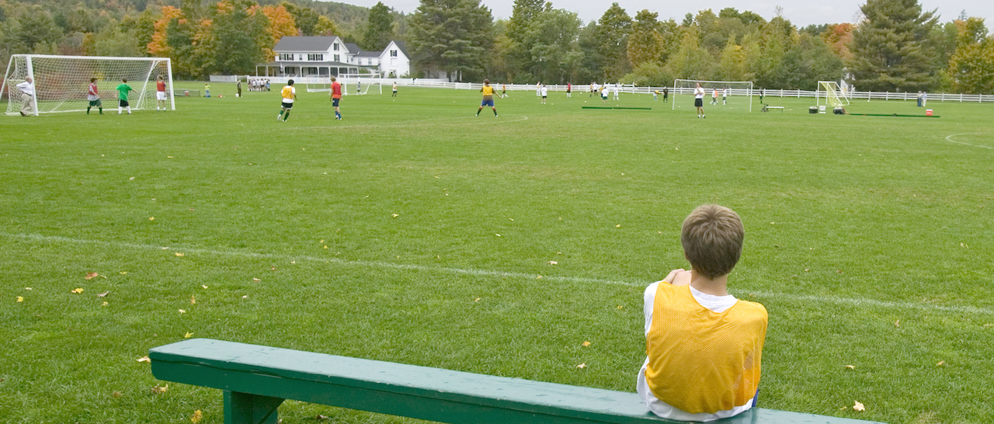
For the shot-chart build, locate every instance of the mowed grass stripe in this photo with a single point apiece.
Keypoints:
(873, 303)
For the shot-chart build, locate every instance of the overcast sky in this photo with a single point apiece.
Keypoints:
(801, 13)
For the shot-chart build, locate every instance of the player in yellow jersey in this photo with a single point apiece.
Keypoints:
(703, 346)
(289, 94)
(488, 98)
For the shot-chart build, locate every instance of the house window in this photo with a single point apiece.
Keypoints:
(393, 53)
(336, 47)
(315, 57)
(286, 56)
(337, 58)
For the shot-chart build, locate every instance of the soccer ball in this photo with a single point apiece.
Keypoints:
(220, 96)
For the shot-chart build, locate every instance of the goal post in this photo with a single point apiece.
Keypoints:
(731, 94)
(829, 94)
(61, 82)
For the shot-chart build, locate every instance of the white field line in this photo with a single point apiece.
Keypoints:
(927, 307)
(949, 138)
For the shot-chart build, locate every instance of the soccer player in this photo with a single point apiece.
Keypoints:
(238, 88)
(699, 100)
(724, 95)
(591, 92)
(122, 96)
(545, 93)
(358, 86)
(655, 95)
(604, 93)
(207, 90)
(394, 89)
(160, 93)
(569, 89)
(488, 98)
(704, 347)
(503, 91)
(762, 92)
(94, 97)
(616, 92)
(666, 94)
(714, 96)
(336, 96)
(289, 94)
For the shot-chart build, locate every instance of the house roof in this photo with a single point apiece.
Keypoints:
(369, 54)
(305, 44)
(353, 48)
(400, 45)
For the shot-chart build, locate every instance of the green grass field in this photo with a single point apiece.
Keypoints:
(414, 232)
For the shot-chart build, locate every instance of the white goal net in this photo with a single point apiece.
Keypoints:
(61, 82)
(731, 95)
(830, 94)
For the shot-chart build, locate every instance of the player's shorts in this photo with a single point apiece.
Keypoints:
(569, 90)
(96, 103)
(334, 102)
(544, 96)
(160, 95)
(698, 102)
(487, 103)
(123, 103)
(604, 96)
(287, 105)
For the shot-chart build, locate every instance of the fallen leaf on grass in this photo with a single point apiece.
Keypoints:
(123, 272)
(897, 323)
(144, 359)
(851, 367)
(245, 297)
(158, 390)
(104, 294)
(621, 306)
(553, 263)
(104, 304)
(256, 280)
(582, 366)
(193, 300)
(182, 311)
(151, 218)
(197, 417)
(204, 287)
(585, 343)
(91, 275)
(180, 254)
(77, 290)
(989, 325)
(858, 407)
(20, 299)
(28, 288)
(617, 226)
(941, 363)
(187, 335)
(325, 417)
(539, 277)
(395, 215)
(476, 300)
(116, 395)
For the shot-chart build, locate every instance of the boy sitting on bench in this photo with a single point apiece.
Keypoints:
(703, 345)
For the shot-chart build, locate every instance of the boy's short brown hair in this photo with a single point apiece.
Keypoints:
(712, 240)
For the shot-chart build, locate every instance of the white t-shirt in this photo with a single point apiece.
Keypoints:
(724, 93)
(604, 91)
(26, 88)
(615, 89)
(545, 91)
(717, 304)
(699, 93)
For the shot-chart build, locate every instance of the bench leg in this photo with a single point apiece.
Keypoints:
(242, 408)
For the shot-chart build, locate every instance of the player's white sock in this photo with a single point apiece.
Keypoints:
(119, 110)
(129, 110)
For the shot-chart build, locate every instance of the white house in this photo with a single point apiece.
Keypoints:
(323, 56)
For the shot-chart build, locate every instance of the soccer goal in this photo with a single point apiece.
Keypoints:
(725, 94)
(830, 94)
(61, 82)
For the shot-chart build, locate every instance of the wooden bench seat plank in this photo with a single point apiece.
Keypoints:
(408, 390)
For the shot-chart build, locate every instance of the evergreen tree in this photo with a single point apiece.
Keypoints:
(614, 28)
(451, 36)
(237, 35)
(645, 44)
(891, 49)
(521, 33)
(379, 28)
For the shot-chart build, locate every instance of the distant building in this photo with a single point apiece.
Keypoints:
(324, 56)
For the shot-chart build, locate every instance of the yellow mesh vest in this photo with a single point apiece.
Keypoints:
(701, 361)
(287, 92)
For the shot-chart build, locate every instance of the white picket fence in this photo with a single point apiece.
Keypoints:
(630, 89)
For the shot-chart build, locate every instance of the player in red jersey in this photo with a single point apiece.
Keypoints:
(160, 93)
(336, 96)
(94, 97)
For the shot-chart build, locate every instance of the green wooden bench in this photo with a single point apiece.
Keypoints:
(256, 379)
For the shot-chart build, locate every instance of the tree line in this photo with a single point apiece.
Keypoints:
(895, 46)
(200, 37)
